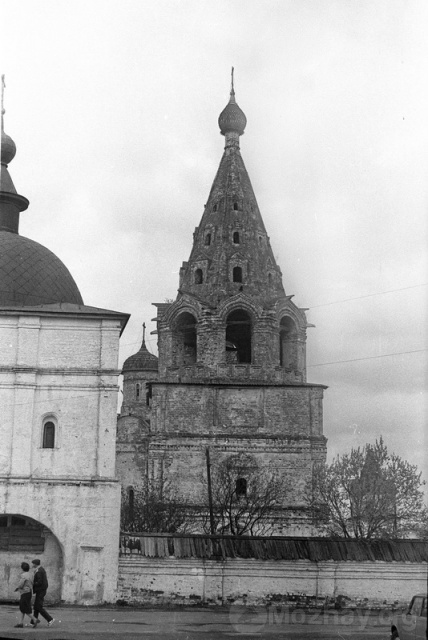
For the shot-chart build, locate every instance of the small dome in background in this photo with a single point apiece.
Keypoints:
(143, 360)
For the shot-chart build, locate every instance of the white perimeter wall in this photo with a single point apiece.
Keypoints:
(236, 580)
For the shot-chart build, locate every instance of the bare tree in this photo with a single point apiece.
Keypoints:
(153, 508)
(245, 496)
(369, 493)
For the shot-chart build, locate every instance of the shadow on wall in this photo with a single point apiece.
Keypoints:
(22, 540)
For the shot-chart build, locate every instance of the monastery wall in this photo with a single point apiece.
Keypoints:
(234, 581)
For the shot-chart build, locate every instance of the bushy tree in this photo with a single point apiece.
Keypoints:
(245, 496)
(153, 508)
(369, 493)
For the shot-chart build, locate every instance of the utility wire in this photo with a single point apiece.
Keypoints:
(321, 364)
(368, 295)
(384, 355)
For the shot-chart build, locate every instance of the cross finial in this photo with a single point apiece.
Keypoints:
(232, 90)
(144, 332)
(3, 85)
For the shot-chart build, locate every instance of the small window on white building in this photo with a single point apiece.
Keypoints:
(48, 435)
(137, 391)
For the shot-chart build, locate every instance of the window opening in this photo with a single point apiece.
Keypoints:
(287, 343)
(185, 339)
(236, 237)
(215, 207)
(199, 277)
(235, 206)
(48, 435)
(131, 502)
(208, 239)
(241, 487)
(238, 337)
(237, 274)
(137, 391)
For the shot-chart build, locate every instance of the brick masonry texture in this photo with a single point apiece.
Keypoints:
(231, 371)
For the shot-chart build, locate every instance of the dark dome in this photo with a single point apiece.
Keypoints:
(31, 275)
(143, 360)
(232, 118)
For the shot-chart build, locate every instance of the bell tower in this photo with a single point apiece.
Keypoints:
(232, 317)
(232, 353)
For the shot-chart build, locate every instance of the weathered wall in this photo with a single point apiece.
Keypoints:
(237, 580)
(237, 410)
(62, 366)
(50, 558)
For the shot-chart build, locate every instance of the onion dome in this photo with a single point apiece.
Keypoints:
(143, 360)
(8, 148)
(30, 274)
(232, 119)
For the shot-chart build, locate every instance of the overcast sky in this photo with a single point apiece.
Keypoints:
(113, 105)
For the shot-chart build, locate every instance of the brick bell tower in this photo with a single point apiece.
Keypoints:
(232, 351)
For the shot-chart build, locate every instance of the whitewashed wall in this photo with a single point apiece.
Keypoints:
(237, 581)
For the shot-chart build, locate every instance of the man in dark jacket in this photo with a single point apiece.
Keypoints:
(40, 586)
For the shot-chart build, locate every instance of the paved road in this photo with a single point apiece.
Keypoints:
(77, 623)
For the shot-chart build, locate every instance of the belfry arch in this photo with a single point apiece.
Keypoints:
(288, 343)
(185, 339)
(238, 337)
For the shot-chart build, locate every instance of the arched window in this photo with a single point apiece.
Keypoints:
(215, 207)
(48, 435)
(241, 487)
(269, 279)
(238, 337)
(287, 343)
(199, 276)
(236, 237)
(237, 274)
(184, 337)
(208, 239)
(235, 206)
(137, 391)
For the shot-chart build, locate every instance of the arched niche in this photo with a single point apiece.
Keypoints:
(238, 337)
(22, 540)
(185, 339)
(287, 343)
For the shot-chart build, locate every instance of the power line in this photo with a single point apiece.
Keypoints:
(368, 295)
(384, 355)
(321, 364)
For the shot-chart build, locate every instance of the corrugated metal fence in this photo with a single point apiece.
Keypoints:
(158, 545)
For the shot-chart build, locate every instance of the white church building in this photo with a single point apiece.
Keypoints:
(59, 496)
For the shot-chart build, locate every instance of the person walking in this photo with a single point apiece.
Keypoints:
(25, 589)
(40, 586)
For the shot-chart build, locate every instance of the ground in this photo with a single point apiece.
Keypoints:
(78, 623)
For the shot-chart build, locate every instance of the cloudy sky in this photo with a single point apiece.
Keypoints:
(113, 105)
